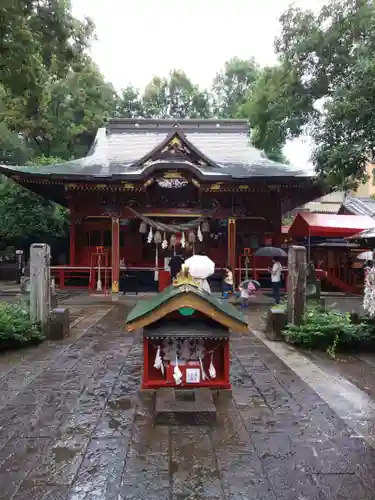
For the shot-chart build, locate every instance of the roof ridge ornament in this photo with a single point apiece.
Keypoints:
(185, 278)
(176, 147)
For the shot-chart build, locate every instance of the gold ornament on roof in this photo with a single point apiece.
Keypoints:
(185, 278)
(175, 141)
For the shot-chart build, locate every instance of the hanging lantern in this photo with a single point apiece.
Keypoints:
(199, 234)
(164, 245)
(143, 228)
(205, 227)
(157, 237)
(191, 237)
(149, 237)
(173, 240)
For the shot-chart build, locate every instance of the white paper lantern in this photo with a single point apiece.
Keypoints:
(143, 228)
(191, 237)
(205, 227)
(157, 237)
(173, 240)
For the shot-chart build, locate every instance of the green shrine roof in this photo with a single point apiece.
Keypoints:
(144, 308)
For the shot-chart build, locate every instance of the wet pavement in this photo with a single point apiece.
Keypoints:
(358, 368)
(72, 427)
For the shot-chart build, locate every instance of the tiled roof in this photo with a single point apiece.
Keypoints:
(363, 235)
(322, 208)
(360, 206)
(328, 204)
(329, 225)
(119, 146)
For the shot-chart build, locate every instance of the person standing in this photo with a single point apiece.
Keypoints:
(175, 265)
(228, 282)
(276, 271)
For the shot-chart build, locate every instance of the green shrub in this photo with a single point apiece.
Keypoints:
(16, 327)
(330, 331)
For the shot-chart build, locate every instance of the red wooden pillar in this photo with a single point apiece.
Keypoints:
(72, 238)
(115, 260)
(226, 360)
(232, 245)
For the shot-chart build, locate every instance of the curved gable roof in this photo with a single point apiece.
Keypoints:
(119, 147)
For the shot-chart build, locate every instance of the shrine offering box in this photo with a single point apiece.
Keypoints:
(186, 336)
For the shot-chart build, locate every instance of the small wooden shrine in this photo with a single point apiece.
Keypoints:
(186, 333)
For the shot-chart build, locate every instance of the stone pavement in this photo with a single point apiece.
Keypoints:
(72, 427)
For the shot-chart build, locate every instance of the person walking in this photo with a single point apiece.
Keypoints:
(276, 271)
(228, 282)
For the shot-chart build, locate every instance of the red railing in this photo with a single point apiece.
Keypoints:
(88, 275)
(346, 279)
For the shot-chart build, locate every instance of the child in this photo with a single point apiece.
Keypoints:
(228, 282)
(247, 289)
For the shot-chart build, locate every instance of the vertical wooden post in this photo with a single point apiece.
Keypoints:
(72, 237)
(296, 284)
(232, 245)
(115, 260)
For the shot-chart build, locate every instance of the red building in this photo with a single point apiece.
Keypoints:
(325, 237)
(181, 178)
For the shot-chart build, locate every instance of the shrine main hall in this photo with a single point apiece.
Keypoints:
(148, 188)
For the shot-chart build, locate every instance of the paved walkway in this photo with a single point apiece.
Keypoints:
(72, 428)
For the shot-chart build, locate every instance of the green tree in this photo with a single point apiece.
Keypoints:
(129, 103)
(75, 107)
(25, 217)
(39, 40)
(274, 113)
(40, 44)
(232, 86)
(345, 134)
(175, 97)
(71, 110)
(333, 52)
(13, 150)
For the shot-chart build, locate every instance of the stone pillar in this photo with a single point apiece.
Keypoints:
(115, 257)
(40, 287)
(297, 271)
(232, 245)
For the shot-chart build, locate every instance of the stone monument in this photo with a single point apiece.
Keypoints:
(297, 270)
(40, 288)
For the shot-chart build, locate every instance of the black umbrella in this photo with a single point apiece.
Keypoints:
(270, 252)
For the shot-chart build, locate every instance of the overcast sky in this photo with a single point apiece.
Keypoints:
(137, 39)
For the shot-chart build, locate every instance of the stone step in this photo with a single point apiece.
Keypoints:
(185, 407)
